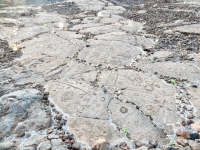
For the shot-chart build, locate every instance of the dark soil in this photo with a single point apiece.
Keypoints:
(66, 8)
(165, 12)
(7, 55)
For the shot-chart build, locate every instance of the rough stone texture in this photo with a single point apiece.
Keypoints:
(80, 100)
(102, 29)
(194, 145)
(34, 141)
(195, 98)
(28, 33)
(78, 72)
(92, 131)
(131, 26)
(69, 35)
(8, 145)
(144, 92)
(126, 38)
(49, 45)
(45, 145)
(138, 125)
(21, 106)
(71, 52)
(84, 26)
(194, 28)
(172, 69)
(104, 52)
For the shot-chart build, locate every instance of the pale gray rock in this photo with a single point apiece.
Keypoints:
(151, 96)
(16, 12)
(9, 2)
(79, 99)
(109, 12)
(50, 45)
(172, 69)
(195, 98)
(194, 28)
(109, 20)
(124, 37)
(78, 72)
(160, 54)
(102, 29)
(127, 116)
(43, 18)
(45, 145)
(28, 33)
(8, 145)
(27, 77)
(10, 21)
(88, 20)
(115, 8)
(35, 141)
(84, 26)
(110, 53)
(93, 131)
(28, 148)
(7, 32)
(69, 35)
(55, 143)
(41, 69)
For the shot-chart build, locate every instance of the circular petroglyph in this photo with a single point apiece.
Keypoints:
(149, 107)
(123, 109)
(67, 96)
(149, 88)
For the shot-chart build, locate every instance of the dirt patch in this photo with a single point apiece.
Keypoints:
(162, 16)
(66, 8)
(6, 53)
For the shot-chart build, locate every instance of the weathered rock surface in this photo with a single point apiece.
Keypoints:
(79, 99)
(104, 52)
(82, 51)
(139, 126)
(51, 45)
(126, 38)
(93, 131)
(172, 69)
(195, 98)
(23, 106)
(144, 92)
(194, 28)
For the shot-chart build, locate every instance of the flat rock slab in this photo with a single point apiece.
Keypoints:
(139, 126)
(47, 67)
(84, 26)
(93, 131)
(110, 53)
(69, 35)
(102, 29)
(28, 33)
(78, 72)
(172, 69)
(127, 38)
(51, 45)
(43, 17)
(7, 32)
(151, 96)
(80, 99)
(194, 28)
